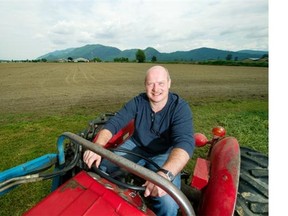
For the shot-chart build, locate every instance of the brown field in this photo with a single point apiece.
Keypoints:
(54, 87)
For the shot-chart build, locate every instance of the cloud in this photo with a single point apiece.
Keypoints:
(38, 26)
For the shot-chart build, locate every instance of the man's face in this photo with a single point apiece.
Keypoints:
(157, 85)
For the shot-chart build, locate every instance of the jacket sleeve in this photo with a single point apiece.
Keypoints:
(122, 117)
(182, 131)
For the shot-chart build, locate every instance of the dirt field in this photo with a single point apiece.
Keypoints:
(53, 87)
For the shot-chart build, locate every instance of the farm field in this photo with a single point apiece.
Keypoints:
(39, 101)
(54, 87)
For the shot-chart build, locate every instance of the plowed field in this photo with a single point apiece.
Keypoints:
(54, 87)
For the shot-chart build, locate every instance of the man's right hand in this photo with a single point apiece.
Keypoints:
(90, 157)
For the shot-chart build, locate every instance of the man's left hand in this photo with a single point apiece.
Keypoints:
(153, 190)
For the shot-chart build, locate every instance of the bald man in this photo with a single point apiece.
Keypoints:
(163, 133)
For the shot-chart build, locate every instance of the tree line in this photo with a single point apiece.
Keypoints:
(140, 57)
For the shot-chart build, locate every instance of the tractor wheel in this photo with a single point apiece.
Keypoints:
(252, 198)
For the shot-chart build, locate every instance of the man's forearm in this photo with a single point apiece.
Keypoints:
(103, 137)
(176, 161)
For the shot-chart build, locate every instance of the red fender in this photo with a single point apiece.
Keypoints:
(220, 195)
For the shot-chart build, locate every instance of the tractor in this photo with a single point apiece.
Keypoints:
(230, 180)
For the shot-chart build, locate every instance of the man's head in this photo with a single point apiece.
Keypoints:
(157, 84)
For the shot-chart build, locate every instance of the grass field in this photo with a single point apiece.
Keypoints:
(40, 101)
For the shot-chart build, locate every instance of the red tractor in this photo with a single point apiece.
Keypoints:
(229, 181)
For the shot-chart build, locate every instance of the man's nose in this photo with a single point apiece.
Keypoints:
(155, 87)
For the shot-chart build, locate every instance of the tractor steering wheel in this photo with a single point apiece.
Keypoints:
(118, 182)
(115, 181)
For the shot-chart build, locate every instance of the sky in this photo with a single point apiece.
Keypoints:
(32, 28)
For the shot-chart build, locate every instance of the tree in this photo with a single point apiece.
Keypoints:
(122, 59)
(140, 56)
(264, 56)
(154, 59)
(229, 57)
(96, 59)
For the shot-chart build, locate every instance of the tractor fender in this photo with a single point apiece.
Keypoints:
(220, 195)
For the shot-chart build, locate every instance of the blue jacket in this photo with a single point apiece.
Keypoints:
(159, 132)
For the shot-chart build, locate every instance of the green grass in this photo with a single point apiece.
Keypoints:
(245, 120)
(27, 136)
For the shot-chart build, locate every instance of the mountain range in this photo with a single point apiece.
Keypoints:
(108, 53)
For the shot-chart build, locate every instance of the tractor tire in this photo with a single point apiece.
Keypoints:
(252, 197)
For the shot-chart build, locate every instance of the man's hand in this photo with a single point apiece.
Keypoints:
(153, 190)
(90, 157)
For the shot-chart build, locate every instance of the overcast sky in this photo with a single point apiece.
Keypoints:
(31, 28)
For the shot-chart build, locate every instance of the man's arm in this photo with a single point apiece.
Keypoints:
(90, 157)
(176, 161)
(111, 127)
(104, 136)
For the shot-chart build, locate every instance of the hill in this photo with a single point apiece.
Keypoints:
(108, 53)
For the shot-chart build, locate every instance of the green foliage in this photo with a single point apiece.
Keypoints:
(265, 56)
(235, 63)
(108, 53)
(96, 59)
(229, 57)
(121, 59)
(140, 56)
(154, 59)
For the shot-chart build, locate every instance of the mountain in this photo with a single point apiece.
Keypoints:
(88, 52)
(108, 53)
(253, 52)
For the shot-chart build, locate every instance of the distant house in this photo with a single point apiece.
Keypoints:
(62, 60)
(254, 59)
(81, 60)
(251, 60)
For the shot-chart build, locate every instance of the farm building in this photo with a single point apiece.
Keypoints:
(81, 60)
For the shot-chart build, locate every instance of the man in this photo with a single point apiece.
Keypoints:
(163, 133)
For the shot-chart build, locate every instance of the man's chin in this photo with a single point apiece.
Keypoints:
(156, 99)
